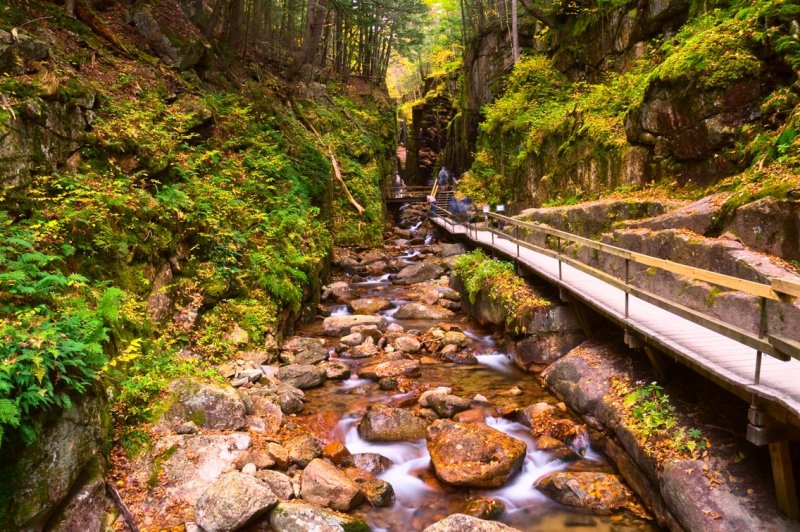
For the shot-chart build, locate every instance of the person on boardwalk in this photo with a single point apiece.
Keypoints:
(444, 178)
(399, 186)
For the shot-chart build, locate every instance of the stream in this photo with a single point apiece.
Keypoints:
(335, 409)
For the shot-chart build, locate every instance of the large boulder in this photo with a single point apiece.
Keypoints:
(418, 273)
(341, 325)
(207, 405)
(369, 305)
(20, 54)
(382, 423)
(277, 482)
(603, 493)
(288, 397)
(233, 501)
(302, 376)
(421, 311)
(36, 479)
(390, 368)
(325, 485)
(466, 523)
(473, 454)
(296, 516)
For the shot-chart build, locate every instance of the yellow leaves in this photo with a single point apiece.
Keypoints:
(131, 353)
(712, 514)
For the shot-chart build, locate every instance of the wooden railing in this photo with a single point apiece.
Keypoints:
(777, 346)
(409, 192)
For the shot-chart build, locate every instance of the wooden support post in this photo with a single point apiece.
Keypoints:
(631, 340)
(657, 360)
(783, 476)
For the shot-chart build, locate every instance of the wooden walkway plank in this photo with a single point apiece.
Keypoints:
(717, 354)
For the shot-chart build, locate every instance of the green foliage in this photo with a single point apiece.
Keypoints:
(653, 419)
(712, 51)
(53, 327)
(497, 278)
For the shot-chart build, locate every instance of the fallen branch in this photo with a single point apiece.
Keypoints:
(337, 171)
(123, 508)
(86, 14)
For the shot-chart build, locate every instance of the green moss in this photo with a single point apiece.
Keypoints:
(158, 465)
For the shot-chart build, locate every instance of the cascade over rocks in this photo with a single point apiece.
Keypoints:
(473, 454)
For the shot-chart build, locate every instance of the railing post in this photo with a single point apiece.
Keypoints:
(627, 293)
(558, 253)
(516, 236)
(762, 332)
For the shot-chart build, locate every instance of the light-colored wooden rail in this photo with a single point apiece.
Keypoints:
(779, 347)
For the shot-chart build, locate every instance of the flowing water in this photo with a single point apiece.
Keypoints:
(336, 408)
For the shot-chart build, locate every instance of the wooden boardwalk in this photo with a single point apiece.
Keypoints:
(718, 357)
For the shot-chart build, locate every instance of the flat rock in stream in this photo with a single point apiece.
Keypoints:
(466, 523)
(390, 368)
(421, 311)
(233, 501)
(383, 423)
(369, 305)
(325, 485)
(297, 516)
(603, 493)
(341, 325)
(302, 376)
(473, 454)
(418, 273)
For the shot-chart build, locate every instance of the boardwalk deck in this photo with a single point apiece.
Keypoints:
(718, 357)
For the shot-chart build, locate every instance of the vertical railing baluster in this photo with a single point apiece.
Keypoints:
(558, 254)
(762, 332)
(627, 289)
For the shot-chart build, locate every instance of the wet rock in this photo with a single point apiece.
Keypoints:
(538, 415)
(259, 459)
(456, 338)
(408, 344)
(325, 485)
(379, 493)
(279, 454)
(336, 370)
(315, 355)
(303, 449)
(484, 508)
(340, 291)
(278, 483)
(473, 454)
(427, 395)
(466, 523)
(461, 358)
(418, 273)
(288, 397)
(249, 469)
(302, 376)
(450, 305)
(352, 339)
(336, 452)
(603, 493)
(472, 415)
(208, 406)
(400, 384)
(547, 443)
(371, 331)
(373, 255)
(447, 293)
(251, 374)
(450, 250)
(367, 349)
(446, 405)
(420, 311)
(391, 368)
(342, 325)
(430, 297)
(395, 328)
(382, 423)
(369, 305)
(296, 516)
(370, 462)
(232, 501)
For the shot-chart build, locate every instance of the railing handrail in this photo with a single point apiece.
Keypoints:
(772, 291)
(776, 346)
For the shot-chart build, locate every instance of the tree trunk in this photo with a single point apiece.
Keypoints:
(514, 31)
